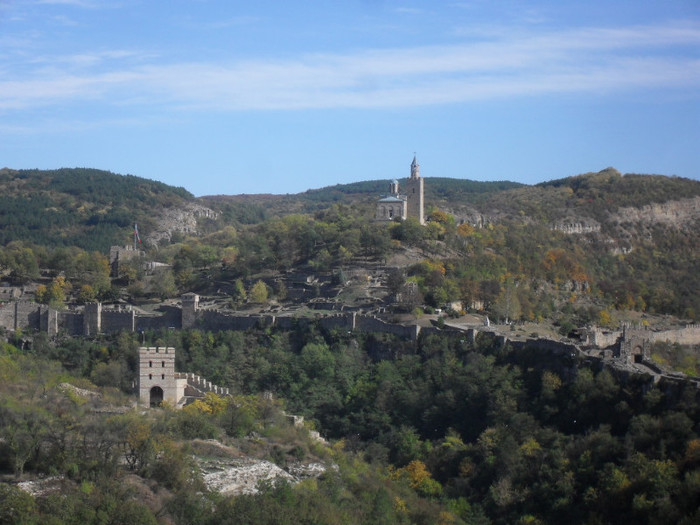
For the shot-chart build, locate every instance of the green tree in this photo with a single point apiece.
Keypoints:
(238, 295)
(164, 284)
(23, 428)
(21, 262)
(87, 294)
(258, 293)
(507, 304)
(17, 507)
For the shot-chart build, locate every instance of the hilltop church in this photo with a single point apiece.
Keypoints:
(395, 205)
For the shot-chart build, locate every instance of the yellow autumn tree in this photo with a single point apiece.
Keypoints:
(418, 477)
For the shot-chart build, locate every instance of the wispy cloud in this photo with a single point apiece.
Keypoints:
(76, 3)
(584, 61)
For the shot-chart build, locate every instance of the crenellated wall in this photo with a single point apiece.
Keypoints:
(690, 335)
(95, 319)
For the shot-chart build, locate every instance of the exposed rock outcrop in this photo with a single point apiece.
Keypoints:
(238, 476)
(576, 225)
(681, 214)
(179, 219)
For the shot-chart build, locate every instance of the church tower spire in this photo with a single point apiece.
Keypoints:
(415, 168)
(414, 190)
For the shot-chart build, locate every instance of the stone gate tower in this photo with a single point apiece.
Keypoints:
(414, 193)
(157, 380)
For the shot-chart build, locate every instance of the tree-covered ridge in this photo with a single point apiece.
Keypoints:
(595, 196)
(81, 207)
(247, 209)
(438, 187)
(601, 194)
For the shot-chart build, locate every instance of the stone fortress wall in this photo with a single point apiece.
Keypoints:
(631, 345)
(688, 335)
(96, 319)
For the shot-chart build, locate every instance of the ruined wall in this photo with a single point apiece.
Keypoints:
(340, 321)
(170, 318)
(555, 347)
(190, 305)
(26, 316)
(291, 323)
(7, 315)
(213, 320)
(603, 338)
(70, 322)
(117, 321)
(690, 335)
(48, 321)
(95, 320)
(366, 323)
(92, 320)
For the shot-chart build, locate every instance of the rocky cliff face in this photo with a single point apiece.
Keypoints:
(181, 219)
(681, 214)
(244, 475)
(577, 225)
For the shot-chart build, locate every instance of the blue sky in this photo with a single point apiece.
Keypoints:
(228, 97)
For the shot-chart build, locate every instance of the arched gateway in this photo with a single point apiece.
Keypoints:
(156, 396)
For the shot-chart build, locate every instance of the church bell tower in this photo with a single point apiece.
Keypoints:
(414, 193)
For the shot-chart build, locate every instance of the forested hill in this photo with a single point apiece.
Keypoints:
(248, 209)
(89, 208)
(588, 197)
(94, 209)
(596, 197)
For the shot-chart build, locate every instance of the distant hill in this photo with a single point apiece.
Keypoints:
(89, 208)
(439, 191)
(594, 196)
(591, 196)
(94, 209)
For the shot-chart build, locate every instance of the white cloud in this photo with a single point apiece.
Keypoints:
(75, 3)
(584, 61)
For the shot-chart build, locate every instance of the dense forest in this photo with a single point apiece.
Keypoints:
(444, 431)
(81, 207)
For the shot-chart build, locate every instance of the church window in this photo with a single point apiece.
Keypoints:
(150, 364)
(162, 376)
(162, 364)
(150, 376)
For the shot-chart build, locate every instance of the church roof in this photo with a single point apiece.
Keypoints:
(391, 199)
